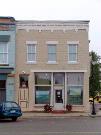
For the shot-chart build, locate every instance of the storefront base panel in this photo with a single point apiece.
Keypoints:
(41, 109)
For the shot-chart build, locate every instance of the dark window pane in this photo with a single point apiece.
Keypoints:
(2, 90)
(58, 96)
(2, 84)
(23, 81)
(58, 78)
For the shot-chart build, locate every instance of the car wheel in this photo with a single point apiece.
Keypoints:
(14, 118)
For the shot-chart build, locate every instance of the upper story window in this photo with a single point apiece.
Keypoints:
(3, 53)
(72, 52)
(31, 52)
(52, 53)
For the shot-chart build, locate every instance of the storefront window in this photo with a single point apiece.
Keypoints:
(75, 88)
(75, 95)
(23, 81)
(59, 78)
(42, 94)
(43, 78)
(42, 88)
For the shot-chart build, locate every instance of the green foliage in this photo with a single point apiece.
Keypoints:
(94, 80)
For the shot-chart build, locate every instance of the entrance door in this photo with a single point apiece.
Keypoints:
(2, 90)
(23, 91)
(58, 99)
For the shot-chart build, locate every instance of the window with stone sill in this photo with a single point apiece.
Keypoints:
(51, 53)
(72, 53)
(31, 53)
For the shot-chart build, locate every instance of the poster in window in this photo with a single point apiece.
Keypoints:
(75, 91)
(42, 97)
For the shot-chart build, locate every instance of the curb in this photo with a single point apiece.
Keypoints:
(50, 115)
(53, 115)
(58, 114)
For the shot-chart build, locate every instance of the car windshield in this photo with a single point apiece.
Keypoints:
(9, 105)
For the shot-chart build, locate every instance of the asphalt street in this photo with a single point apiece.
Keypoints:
(52, 126)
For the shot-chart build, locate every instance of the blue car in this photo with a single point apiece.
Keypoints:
(9, 109)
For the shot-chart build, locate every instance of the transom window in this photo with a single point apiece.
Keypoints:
(3, 53)
(31, 53)
(72, 52)
(58, 78)
(43, 78)
(51, 53)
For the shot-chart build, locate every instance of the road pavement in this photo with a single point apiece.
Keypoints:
(52, 126)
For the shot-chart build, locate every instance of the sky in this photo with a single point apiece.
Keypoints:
(58, 10)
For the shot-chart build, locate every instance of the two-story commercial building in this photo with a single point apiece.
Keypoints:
(7, 58)
(52, 64)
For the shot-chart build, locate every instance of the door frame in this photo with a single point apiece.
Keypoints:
(60, 104)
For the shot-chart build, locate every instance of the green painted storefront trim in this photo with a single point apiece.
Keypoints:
(6, 70)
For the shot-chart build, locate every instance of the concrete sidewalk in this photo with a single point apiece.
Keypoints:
(71, 114)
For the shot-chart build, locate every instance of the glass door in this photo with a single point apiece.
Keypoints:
(58, 99)
(59, 81)
(58, 96)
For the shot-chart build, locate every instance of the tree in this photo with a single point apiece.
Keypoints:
(94, 80)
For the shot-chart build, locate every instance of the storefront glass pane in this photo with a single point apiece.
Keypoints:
(43, 78)
(74, 79)
(75, 88)
(42, 94)
(74, 95)
(58, 78)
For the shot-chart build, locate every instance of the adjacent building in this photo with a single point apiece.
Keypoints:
(52, 64)
(7, 58)
(100, 76)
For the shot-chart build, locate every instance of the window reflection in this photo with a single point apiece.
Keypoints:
(59, 78)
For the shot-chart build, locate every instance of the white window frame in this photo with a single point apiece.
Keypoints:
(49, 85)
(5, 53)
(76, 44)
(34, 43)
(51, 43)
